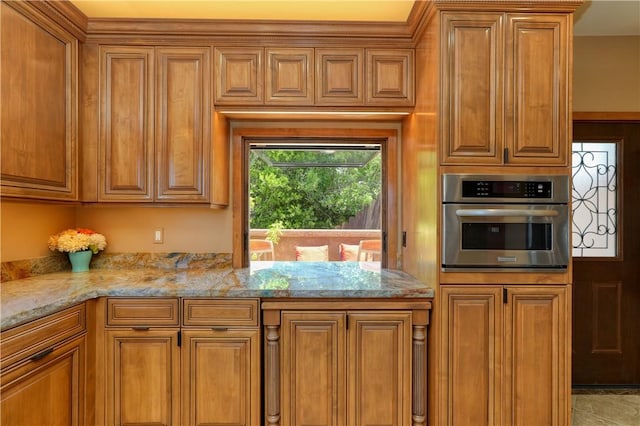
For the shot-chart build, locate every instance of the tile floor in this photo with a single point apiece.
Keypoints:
(606, 407)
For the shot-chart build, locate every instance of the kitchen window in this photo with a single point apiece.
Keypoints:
(315, 149)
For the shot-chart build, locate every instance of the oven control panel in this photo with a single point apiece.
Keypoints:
(506, 189)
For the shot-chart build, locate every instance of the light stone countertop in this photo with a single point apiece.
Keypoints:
(31, 298)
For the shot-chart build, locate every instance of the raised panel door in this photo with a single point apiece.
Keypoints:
(339, 76)
(313, 368)
(537, 89)
(471, 356)
(47, 389)
(126, 152)
(537, 361)
(239, 75)
(221, 377)
(143, 377)
(379, 385)
(183, 129)
(290, 76)
(390, 77)
(38, 82)
(472, 80)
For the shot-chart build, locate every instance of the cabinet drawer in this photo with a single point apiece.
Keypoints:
(143, 312)
(222, 312)
(28, 339)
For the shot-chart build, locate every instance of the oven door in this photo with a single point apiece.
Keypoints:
(505, 236)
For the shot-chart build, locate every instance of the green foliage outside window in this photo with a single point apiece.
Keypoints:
(309, 197)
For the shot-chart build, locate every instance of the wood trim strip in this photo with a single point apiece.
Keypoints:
(419, 373)
(606, 116)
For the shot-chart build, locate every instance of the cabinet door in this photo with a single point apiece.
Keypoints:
(390, 77)
(183, 130)
(143, 377)
(538, 86)
(38, 81)
(48, 389)
(537, 358)
(290, 76)
(313, 368)
(471, 356)
(221, 377)
(239, 75)
(379, 385)
(339, 76)
(472, 80)
(126, 152)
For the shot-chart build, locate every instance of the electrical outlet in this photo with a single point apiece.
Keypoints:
(158, 236)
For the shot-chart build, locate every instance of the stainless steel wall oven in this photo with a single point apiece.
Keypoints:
(505, 222)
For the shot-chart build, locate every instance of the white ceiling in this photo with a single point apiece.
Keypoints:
(593, 18)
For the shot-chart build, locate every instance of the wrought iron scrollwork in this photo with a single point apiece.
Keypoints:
(594, 171)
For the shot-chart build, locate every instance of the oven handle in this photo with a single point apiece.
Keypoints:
(505, 213)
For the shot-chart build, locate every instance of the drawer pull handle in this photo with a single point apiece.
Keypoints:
(140, 328)
(220, 328)
(40, 355)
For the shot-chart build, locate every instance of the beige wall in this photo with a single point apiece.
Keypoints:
(606, 73)
(186, 229)
(26, 227)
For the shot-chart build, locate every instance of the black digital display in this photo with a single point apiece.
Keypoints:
(506, 189)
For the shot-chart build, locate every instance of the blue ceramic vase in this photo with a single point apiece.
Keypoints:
(80, 260)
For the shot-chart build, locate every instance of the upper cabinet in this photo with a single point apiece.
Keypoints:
(38, 81)
(155, 124)
(505, 84)
(349, 77)
(390, 77)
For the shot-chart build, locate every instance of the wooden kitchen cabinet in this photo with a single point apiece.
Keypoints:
(321, 384)
(332, 366)
(221, 362)
(142, 361)
(43, 370)
(505, 357)
(390, 77)
(38, 130)
(239, 75)
(339, 76)
(509, 104)
(290, 76)
(155, 126)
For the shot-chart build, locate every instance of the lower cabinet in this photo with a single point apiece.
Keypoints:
(47, 390)
(42, 381)
(143, 376)
(205, 370)
(505, 358)
(221, 377)
(345, 367)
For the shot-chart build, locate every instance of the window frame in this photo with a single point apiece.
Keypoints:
(242, 137)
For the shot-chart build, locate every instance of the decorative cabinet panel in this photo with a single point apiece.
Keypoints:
(126, 147)
(537, 86)
(155, 124)
(143, 376)
(38, 131)
(339, 76)
(390, 77)
(239, 75)
(505, 86)
(290, 76)
(330, 366)
(43, 370)
(505, 356)
(183, 124)
(221, 377)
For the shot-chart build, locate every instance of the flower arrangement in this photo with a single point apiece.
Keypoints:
(80, 239)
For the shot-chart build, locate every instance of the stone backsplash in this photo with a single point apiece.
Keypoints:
(58, 262)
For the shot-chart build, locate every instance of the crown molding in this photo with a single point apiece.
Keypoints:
(63, 13)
